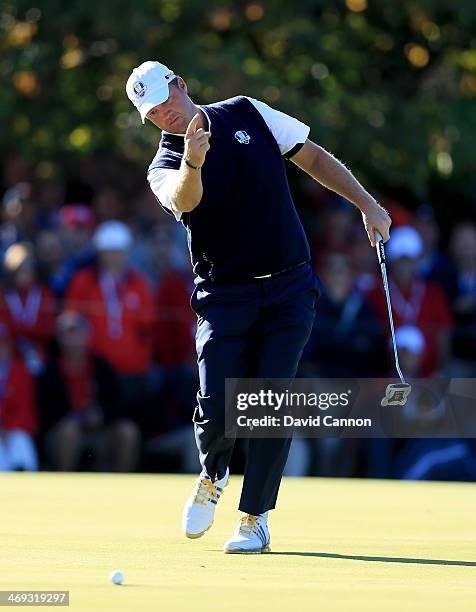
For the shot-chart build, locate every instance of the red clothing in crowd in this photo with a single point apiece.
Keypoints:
(424, 305)
(79, 383)
(121, 316)
(175, 322)
(17, 398)
(29, 313)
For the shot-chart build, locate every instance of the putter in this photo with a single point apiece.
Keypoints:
(396, 394)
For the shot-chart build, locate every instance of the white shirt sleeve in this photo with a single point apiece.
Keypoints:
(162, 182)
(287, 130)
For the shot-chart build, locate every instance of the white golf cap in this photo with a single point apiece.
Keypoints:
(411, 338)
(404, 241)
(112, 236)
(148, 86)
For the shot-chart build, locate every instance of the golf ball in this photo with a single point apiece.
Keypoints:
(116, 577)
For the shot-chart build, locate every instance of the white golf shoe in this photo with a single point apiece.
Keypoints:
(199, 509)
(251, 535)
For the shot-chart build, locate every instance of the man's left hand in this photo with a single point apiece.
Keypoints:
(376, 219)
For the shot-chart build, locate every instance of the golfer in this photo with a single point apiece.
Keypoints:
(219, 170)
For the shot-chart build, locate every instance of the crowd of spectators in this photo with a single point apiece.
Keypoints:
(97, 365)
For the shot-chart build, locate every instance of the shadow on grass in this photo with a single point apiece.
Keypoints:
(377, 559)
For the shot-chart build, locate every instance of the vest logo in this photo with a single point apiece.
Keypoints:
(139, 88)
(242, 137)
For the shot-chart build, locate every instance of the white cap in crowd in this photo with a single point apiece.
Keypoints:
(112, 236)
(411, 338)
(404, 241)
(148, 86)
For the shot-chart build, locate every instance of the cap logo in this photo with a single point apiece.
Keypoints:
(139, 89)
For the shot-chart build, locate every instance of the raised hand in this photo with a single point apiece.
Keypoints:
(196, 142)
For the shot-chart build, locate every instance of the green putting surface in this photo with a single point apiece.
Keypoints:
(337, 545)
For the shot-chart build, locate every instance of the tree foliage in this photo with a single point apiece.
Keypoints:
(389, 87)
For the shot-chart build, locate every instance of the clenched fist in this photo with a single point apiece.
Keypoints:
(196, 142)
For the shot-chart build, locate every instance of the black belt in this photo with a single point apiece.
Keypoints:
(281, 271)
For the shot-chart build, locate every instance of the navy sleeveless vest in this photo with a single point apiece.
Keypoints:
(246, 224)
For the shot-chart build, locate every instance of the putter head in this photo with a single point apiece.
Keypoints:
(396, 394)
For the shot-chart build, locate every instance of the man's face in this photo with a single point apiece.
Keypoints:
(175, 113)
(24, 276)
(405, 269)
(112, 260)
(73, 337)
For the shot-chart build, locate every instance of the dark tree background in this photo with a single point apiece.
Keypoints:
(389, 87)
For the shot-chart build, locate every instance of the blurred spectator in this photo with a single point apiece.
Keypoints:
(364, 261)
(147, 214)
(380, 452)
(108, 204)
(77, 223)
(434, 265)
(463, 251)
(118, 303)
(415, 301)
(51, 196)
(19, 215)
(336, 225)
(411, 349)
(443, 459)
(345, 340)
(399, 213)
(27, 307)
(79, 404)
(176, 379)
(61, 254)
(18, 412)
(147, 254)
(175, 319)
(325, 457)
(50, 255)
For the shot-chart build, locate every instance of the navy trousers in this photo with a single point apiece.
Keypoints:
(255, 329)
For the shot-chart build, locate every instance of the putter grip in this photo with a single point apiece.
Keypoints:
(380, 248)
